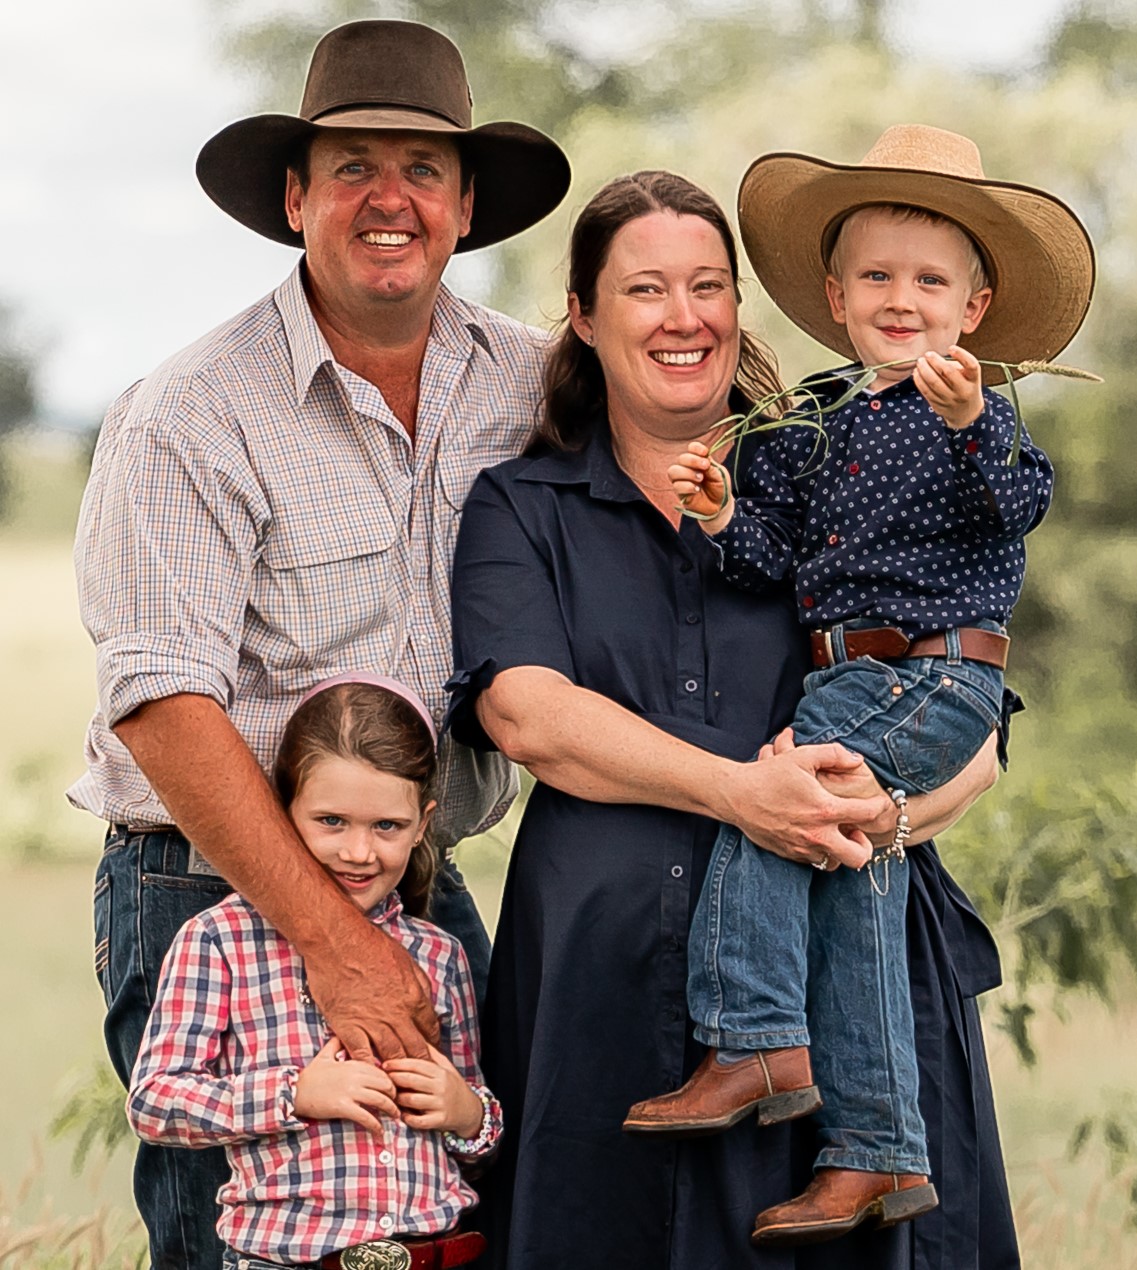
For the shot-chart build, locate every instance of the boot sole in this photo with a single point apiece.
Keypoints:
(889, 1210)
(773, 1109)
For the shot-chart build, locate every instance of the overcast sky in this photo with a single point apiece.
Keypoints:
(111, 254)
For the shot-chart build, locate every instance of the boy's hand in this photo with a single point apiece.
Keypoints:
(433, 1094)
(330, 1088)
(954, 389)
(703, 486)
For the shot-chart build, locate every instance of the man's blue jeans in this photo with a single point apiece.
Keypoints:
(147, 886)
(764, 927)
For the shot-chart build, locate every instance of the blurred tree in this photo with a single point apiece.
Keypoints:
(17, 391)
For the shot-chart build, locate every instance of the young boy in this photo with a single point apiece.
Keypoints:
(904, 538)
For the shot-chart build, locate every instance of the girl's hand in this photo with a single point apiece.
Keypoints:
(330, 1088)
(433, 1094)
(954, 389)
(702, 486)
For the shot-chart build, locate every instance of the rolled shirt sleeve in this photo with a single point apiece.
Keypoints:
(169, 532)
(505, 608)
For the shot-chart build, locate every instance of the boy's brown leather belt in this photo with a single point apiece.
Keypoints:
(887, 643)
(456, 1249)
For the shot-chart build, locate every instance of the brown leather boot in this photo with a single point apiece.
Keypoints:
(778, 1084)
(839, 1199)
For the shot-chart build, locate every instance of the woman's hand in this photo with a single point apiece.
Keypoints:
(433, 1094)
(809, 803)
(332, 1088)
(702, 486)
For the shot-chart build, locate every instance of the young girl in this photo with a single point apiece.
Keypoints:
(333, 1162)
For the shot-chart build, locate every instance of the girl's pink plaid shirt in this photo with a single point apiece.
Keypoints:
(231, 1027)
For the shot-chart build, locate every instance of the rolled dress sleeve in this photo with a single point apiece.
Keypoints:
(504, 602)
(170, 529)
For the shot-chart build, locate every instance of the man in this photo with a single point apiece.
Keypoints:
(277, 504)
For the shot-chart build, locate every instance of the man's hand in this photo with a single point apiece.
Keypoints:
(433, 1094)
(332, 1089)
(702, 486)
(954, 389)
(374, 995)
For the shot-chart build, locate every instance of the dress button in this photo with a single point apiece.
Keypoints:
(674, 944)
(874, 404)
(972, 447)
(833, 540)
(691, 685)
(676, 870)
(807, 602)
(674, 1013)
(854, 468)
(692, 619)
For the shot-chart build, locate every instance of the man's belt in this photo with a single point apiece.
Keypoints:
(887, 643)
(456, 1249)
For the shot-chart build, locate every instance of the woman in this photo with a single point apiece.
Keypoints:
(597, 644)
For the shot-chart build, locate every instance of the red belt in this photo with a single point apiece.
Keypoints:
(455, 1249)
(887, 643)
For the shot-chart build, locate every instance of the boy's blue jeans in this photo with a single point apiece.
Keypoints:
(765, 927)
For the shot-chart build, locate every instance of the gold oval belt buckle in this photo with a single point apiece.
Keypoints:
(378, 1254)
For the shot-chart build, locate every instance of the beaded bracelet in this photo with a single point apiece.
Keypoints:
(896, 848)
(472, 1146)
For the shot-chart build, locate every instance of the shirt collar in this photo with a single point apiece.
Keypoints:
(595, 466)
(386, 910)
(454, 330)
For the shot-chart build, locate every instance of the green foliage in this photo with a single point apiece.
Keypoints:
(94, 1114)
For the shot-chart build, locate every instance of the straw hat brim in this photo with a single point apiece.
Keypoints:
(1038, 254)
(520, 174)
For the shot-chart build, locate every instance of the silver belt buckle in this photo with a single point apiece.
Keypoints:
(377, 1254)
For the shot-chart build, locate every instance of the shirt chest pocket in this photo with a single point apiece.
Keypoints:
(329, 578)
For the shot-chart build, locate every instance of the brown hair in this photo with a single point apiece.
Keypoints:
(574, 383)
(374, 726)
(978, 272)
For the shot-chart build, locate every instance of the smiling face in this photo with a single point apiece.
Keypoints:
(360, 823)
(903, 287)
(381, 215)
(664, 325)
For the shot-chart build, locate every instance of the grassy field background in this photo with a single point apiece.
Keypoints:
(1072, 1214)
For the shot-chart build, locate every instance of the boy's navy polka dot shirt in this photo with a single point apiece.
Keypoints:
(903, 520)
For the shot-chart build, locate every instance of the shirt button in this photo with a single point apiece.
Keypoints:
(691, 685)
(674, 944)
(386, 1222)
(833, 540)
(972, 447)
(692, 619)
(385, 1157)
(686, 567)
(676, 870)
(874, 404)
(854, 468)
(674, 1013)
(807, 602)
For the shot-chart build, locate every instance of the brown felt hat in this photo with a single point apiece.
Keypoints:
(1038, 255)
(394, 76)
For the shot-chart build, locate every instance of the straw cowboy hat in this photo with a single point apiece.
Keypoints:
(1037, 253)
(389, 75)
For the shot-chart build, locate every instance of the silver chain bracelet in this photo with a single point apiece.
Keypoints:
(896, 848)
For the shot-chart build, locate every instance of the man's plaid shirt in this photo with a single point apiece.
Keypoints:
(257, 520)
(231, 1027)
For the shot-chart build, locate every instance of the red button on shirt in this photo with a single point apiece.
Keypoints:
(833, 540)
(874, 404)
(972, 447)
(807, 602)
(854, 468)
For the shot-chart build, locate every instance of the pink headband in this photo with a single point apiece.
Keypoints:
(377, 681)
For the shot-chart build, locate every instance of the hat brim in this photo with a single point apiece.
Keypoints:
(521, 175)
(1038, 254)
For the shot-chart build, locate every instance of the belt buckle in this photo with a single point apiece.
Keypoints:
(377, 1254)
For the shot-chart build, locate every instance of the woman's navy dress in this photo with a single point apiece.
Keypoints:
(562, 563)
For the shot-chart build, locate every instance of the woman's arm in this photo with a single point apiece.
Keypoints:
(586, 745)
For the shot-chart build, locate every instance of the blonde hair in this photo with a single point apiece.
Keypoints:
(831, 253)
